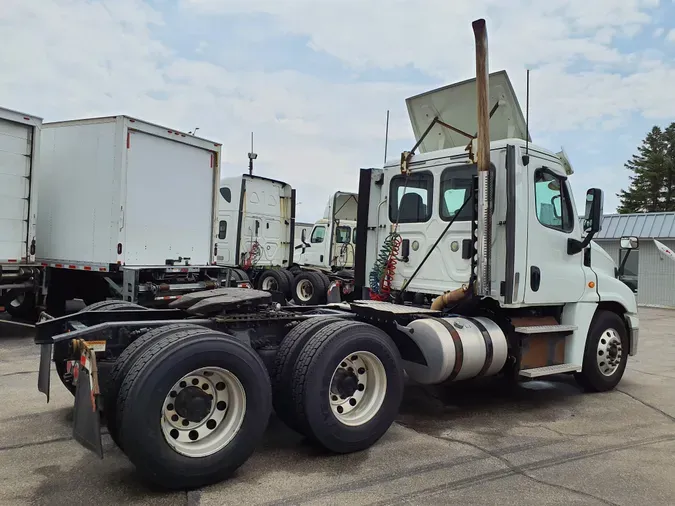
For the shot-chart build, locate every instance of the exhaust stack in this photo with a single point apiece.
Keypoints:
(484, 238)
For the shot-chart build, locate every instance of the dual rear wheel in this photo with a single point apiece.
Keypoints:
(188, 405)
(338, 382)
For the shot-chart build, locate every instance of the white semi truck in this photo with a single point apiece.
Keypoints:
(19, 163)
(127, 210)
(259, 239)
(484, 234)
(325, 253)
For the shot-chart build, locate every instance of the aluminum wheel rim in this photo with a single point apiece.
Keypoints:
(609, 352)
(269, 283)
(225, 416)
(363, 404)
(304, 290)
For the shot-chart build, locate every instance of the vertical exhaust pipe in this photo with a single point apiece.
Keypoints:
(483, 151)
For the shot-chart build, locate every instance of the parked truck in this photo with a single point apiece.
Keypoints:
(128, 211)
(325, 255)
(257, 239)
(19, 165)
(507, 288)
(256, 225)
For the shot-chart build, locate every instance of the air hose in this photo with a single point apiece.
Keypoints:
(382, 274)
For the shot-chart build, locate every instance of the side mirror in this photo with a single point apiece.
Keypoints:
(592, 222)
(303, 235)
(629, 242)
(593, 214)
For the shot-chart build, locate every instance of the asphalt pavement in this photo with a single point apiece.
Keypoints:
(541, 443)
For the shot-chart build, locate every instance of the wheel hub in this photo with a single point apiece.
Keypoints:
(193, 404)
(345, 383)
(358, 388)
(609, 352)
(203, 411)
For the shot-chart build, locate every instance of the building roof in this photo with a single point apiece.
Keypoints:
(641, 225)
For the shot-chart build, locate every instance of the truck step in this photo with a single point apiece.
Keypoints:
(549, 370)
(545, 329)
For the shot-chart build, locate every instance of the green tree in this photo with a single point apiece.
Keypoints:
(652, 185)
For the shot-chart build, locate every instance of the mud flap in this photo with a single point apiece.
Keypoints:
(86, 418)
(45, 369)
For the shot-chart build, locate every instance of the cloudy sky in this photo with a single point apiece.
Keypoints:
(314, 78)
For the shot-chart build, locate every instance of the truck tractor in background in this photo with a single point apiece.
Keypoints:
(325, 255)
(257, 239)
(256, 227)
(471, 262)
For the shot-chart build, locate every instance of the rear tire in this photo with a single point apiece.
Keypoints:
(347, 386)
(606, 353)
(203, 454)
(326, 283)
(126, 360)
(274, 280)
(62, 348)
(284, 367)
(20, 305)
(309, 289)
(290, 277)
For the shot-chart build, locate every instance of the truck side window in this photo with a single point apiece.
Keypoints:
(552, 201)
(222, 229)
(354, 236)
(456, 186)
(317, 235)
(455, 189)
(411, 198)
(342, 234)
(226, 194)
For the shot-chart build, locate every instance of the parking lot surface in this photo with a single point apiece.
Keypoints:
(544, 442)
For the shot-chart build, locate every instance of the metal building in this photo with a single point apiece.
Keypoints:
(647, 270)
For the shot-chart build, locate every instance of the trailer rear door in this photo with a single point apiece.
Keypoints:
(169, 201)
(16, 142)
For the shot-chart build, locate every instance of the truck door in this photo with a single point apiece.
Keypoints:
(227, 227)
(552, 276)
(318, 243)
(422, 204)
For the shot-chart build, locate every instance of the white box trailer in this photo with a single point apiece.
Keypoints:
(126, 205)
(19, 165)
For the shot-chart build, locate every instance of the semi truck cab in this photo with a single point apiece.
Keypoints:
(421, 214)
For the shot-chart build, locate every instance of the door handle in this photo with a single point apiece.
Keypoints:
(535, 278)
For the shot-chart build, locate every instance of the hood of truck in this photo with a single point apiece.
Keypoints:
(601, 261)
(609, 287)
(456, 105)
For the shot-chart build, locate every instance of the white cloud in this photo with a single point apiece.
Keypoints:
(671, 35)
(658, 32)
(67, 58)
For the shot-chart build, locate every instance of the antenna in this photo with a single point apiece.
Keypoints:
(526, 158)
(251, 156)
(194, 131)
(386, 137)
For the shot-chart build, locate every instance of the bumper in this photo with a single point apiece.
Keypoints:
(633, 326)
